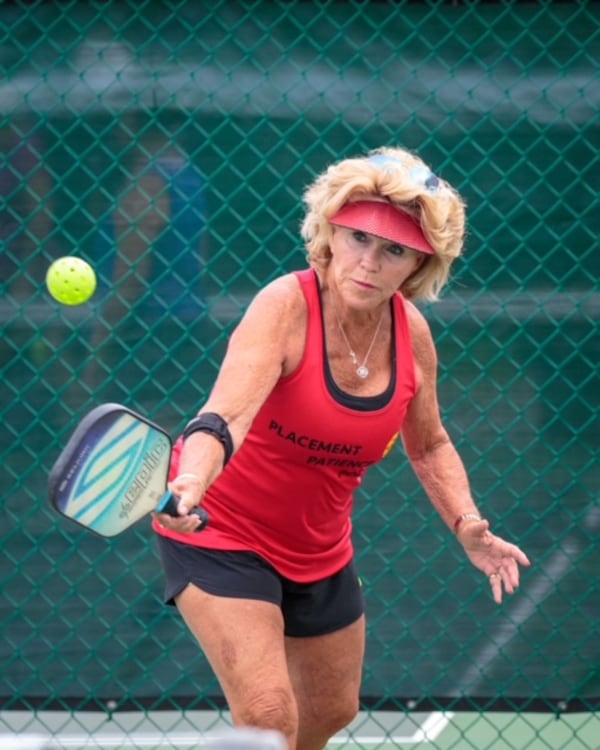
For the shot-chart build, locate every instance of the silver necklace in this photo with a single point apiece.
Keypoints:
(361, 369)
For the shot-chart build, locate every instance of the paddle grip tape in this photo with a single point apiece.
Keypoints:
(214, 425)
(168, 504)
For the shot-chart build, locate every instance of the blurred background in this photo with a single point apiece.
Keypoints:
(168, 144)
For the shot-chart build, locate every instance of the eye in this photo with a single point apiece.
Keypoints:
(359, 236)
(397, 250)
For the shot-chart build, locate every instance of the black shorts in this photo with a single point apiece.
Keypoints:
(309, 609)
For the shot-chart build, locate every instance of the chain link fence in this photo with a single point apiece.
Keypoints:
(168, 143)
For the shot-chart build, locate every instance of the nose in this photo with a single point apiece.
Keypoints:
(371, 259)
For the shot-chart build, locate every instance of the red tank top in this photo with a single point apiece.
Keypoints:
(287, 494)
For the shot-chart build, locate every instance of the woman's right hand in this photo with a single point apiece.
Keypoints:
(188, 491)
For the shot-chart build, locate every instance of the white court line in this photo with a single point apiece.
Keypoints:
(432, 727)
(154, 740)
(429, 730)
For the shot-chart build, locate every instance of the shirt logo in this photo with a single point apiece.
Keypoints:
(390, 445)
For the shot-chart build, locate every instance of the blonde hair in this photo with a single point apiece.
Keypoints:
(404, 180)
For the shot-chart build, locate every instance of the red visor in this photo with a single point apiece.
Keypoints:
(383, 220)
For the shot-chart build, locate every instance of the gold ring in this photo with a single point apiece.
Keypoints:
(494, 575)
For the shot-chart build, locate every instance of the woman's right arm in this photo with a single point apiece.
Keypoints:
(255, 360)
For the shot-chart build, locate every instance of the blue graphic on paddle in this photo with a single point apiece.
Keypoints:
(113, 471)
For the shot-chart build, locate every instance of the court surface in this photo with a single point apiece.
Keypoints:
(440, 730)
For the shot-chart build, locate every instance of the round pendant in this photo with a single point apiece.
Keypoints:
(362, 372)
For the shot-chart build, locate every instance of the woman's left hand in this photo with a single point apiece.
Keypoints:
(497, 559)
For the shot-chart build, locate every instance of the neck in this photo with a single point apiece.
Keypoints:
(358, 354)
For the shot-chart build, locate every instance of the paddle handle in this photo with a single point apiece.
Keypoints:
(168, 504)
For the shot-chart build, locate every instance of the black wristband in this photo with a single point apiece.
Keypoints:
(216, 426)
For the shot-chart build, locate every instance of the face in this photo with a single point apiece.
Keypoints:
(367, 270)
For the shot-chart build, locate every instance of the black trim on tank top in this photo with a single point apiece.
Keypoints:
(358, 403)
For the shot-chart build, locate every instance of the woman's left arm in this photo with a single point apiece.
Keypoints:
(441, 471)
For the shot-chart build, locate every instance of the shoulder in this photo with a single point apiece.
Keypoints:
(283, 296)
(423, 346)
(287, 286)
(276, 308)
(419, 327)
(277, 316)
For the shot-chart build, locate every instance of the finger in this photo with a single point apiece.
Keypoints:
(189, 523)
(183, 524)
(518, 555)
(185, 502)
(508, 582)
(511, 576)
(508, 574)
(161, 519)
(184, 506)
(522, 558)
(495, 580)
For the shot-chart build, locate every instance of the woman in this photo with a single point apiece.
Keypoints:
(327, 368)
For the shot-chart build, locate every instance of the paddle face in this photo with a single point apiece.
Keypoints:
(112, 471)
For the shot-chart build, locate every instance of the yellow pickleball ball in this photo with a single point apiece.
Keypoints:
(71, 281)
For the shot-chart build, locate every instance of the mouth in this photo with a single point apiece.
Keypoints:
(363, 284)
